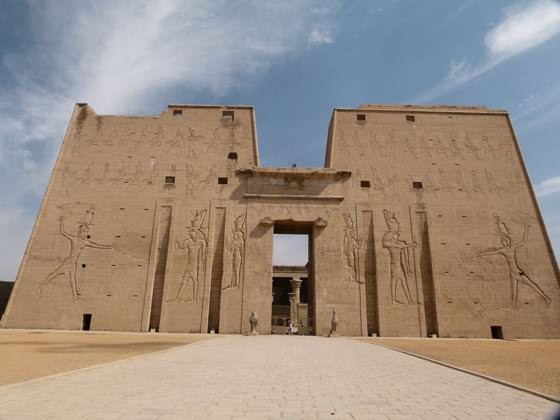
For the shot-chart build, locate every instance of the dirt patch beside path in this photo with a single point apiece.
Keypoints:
(532, 364)
(32, 354)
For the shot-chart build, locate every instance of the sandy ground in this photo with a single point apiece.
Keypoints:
(533, 364)
(32, 354)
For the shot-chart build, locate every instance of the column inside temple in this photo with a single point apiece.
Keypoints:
(295, 299)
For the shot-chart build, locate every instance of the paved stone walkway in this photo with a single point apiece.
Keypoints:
(280, 377)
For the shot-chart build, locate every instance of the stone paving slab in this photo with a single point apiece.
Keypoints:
(270, 377)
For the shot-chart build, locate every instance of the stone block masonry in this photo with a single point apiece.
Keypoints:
(422, 221)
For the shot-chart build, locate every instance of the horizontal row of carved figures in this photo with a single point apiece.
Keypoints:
(194, 143)
(461, 146)
(428, 145)
(439, 181)
(194, 248)
(454, 183)
(147, 174)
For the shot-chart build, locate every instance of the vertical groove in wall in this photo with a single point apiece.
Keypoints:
(428, 289)
(369, 271)
(311, 296)
(164, 224)
(217, 270)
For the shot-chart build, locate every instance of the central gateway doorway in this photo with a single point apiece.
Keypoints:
(292, 278)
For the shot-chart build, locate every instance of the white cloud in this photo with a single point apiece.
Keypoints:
(521, 29)
(538, 108)
(548, 187)
(456, 69)
(524, 29)
(121, 57)
(320, 37)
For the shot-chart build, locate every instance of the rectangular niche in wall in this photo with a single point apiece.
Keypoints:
(497, 332)
(86, 322)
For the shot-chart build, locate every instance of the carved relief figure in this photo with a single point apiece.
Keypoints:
(245, 137)
(508, 152)
(92, 140)
(475, 183)
(69, 267)
(472, 148)
(211, 178)
(461, 184)
(109, 138)
(190, 175)
(444, 182)
(426, 147)
(140, 140)
(192, 139)
(431, 185)
(173, 169)
(391, 146)
(157, 137)
(410, 147)
(177, 140)
(138, 174)
(400, 259)
(87, 217)
(376, 181)
(393, 184)
(125, 136)
(121, 174)
(492, 186)
(66, 179)
(233, 126)
(508, 250)
(236, 247)
(487, 148)
(75, 140)
(104, 178)
(441, 148)
(455, 150)
(230, 170)
(154, 172)
(195, 244)
(376, 145)
(351, 248)
(88, 175)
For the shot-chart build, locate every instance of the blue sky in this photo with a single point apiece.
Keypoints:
(294, 60)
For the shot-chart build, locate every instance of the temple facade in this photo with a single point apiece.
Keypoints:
(422, 222)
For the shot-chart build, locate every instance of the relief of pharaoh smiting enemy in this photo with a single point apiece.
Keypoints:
(78, 242)
(401, 259)
(236, 247)
(195, 244)
(508, 250)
